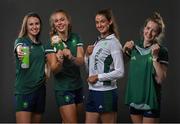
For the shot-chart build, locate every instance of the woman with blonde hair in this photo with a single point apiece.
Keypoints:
(147, 70)
(65, 56)
(30, 79)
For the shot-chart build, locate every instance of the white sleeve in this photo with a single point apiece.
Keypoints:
(117, 56)
(86, 61)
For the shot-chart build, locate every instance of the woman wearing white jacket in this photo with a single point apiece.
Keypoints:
(104, 60)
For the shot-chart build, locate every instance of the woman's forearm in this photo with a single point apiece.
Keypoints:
(161, 71)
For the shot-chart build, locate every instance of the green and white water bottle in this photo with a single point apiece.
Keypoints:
(25, 59)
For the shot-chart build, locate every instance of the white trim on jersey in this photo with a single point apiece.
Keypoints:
(17, 46)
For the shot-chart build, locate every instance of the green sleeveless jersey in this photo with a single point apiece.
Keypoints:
(142, 91)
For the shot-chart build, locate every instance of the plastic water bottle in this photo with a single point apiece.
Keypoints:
(25, 59)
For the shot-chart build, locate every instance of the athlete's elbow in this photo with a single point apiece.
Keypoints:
(80, 61)
(160, 78)
(55, 68)
(120, 74)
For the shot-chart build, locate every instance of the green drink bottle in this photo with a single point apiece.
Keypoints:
(25, 59)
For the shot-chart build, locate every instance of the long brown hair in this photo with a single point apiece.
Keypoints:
(110, 17)
(23, 31)
(53, 30)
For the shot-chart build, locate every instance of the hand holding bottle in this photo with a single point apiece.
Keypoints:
(19, 52)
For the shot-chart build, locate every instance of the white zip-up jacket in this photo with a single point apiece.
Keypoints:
(106, 60)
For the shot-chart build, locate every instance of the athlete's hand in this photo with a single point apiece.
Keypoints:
(92, 79)
(67, 53)
(128, 46)
(19, 52)
(155, 50)
(89, 50)
(60, 56)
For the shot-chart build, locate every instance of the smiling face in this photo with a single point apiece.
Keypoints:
(60, 22)
(33, 26)
(151, 31)
(102, 24)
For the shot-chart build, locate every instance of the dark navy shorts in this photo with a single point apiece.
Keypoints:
(33, 102)
(102, 101)
(145, 113)
(69, 97)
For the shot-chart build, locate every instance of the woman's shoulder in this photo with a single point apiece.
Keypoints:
(114, 43)
(20, 39)
(163, 47)
(114, 40)
(74, 35)
(163, 50)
